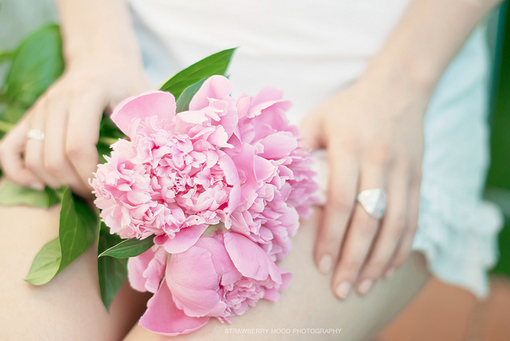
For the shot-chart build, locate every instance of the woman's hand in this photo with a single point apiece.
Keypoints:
(374, 139)
(69, 114)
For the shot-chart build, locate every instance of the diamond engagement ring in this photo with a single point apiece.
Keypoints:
(373, 201)
(35, 134)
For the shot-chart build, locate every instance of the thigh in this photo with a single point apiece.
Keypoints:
(67, 308)
(307, 307)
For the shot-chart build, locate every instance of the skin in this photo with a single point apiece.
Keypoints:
(373, 132)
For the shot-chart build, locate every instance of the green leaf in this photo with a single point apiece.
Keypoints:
(112, 272)
(129, 248)
(186, 96)
(215, 64)
(45, 264)
(36, 64)
(77, 231)
(12, 194)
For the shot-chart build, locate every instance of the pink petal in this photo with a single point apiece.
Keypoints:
(250, 259)
(278, 145)
(128, 113)
(163, 317)
(183, 240)
(268, 97)
(194, 282)
(220, 258)
(146, 270)
(271, 294)
(217, 87)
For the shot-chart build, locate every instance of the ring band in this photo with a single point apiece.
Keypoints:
(373, 201)
(35, 134)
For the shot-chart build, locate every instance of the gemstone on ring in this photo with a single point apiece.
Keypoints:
(373, 201)
(35, 134)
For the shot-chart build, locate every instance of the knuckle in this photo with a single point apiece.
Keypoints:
(347, 144)
(380, 154)
(351, 266)
(75, 151)
(54, 166)
(403, 165)
(374, 267)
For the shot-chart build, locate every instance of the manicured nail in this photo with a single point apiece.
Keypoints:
(325, 264)
(389, 273)
(37, 186)
(343, 289)
(365, 286)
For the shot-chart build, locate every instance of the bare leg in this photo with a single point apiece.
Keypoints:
(67, 308)
(309, 303)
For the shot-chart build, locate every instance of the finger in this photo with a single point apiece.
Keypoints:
(56, 162)
(11, 157)
(390, 232)
(362, 230)
(82, 136)
(342, 183)
(404, 248)
(310, 131)
(34, 150)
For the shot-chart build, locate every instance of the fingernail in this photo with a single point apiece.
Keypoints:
(343, 289)
(37, 186)
(389, 273)
(325, 264)
(365, 286)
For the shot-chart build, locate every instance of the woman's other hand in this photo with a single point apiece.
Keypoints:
(69, 115)
(374, 139)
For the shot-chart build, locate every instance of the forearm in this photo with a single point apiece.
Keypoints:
(425, 40)
(90, 26)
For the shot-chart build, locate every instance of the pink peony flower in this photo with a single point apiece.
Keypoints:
(235, 162)
(227, 162)
(275, 173)
(220, 276)
(173, 174)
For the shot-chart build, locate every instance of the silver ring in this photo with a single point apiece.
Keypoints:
(373, 201)
(35, 134)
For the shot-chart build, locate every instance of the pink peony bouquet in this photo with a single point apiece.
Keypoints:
(219, 188)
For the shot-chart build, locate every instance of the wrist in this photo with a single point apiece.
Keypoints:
(413, 78)
(99, 50)
(395, 91)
